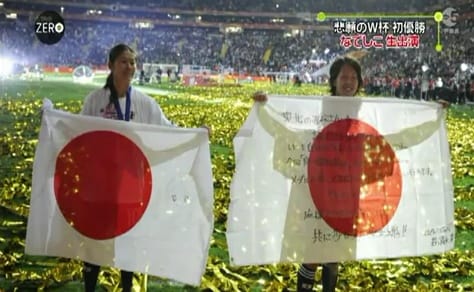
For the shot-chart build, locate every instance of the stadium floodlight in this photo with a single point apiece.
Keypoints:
(463, 67)
(6, 66)
(11, 16)
(326, 51)
(424, 68)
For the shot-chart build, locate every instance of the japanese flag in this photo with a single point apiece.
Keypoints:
(340, 178)
(133, 196)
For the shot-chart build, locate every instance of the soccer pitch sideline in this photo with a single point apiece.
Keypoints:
(224, 110)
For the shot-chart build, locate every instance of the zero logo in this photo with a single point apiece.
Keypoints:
(49, 27)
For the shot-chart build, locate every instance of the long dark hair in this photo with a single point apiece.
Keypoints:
(114, 53)
(336, 69)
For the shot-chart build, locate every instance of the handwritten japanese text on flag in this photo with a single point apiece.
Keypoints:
(324, 179)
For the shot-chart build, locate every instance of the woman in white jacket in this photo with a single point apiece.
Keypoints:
(119, 100)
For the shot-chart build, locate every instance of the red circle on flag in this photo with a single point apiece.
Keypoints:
(102, 184)
(354, 177)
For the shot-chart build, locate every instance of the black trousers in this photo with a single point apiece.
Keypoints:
(305, 278)
(329, 276)
(91, 273)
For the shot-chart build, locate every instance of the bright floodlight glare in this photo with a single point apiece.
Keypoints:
(6, 66)
(424, 68)
(463, 67)
(326, 51)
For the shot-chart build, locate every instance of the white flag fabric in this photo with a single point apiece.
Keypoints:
(132, 196)
(328, 179)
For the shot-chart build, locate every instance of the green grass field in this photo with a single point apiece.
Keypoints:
(224, 110)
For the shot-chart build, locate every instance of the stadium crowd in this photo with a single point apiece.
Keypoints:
(284, 5)
(258, 52)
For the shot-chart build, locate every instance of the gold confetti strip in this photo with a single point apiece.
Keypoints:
(464, 193)
(460, 133)
(464, 218)
(223, 109)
